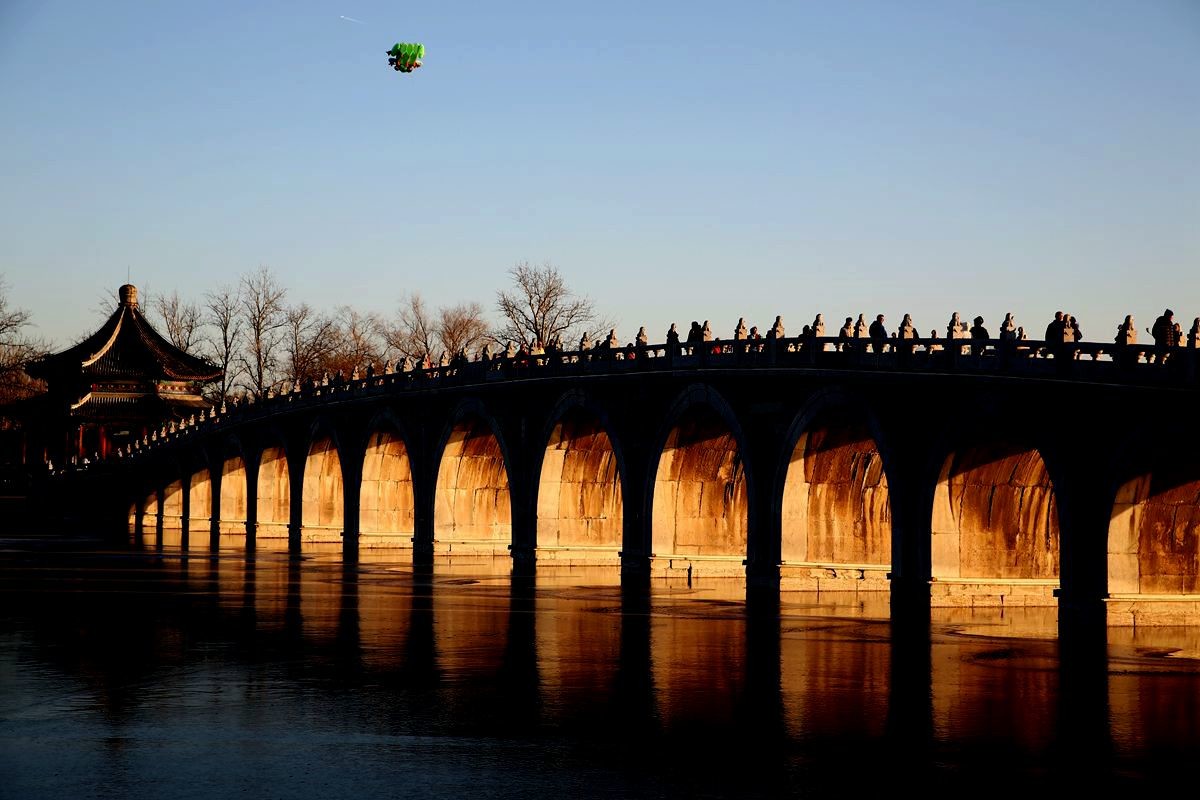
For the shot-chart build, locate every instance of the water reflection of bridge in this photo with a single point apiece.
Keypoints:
(683, 684)
(946, 478)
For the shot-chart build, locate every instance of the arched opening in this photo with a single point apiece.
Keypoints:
(149, 529)
(233, 499)
(172, 514)
(321, 509)
(131, 524)
(1154, 548)
(995, 529)
(472, 508)
(837, 524)
(701, 507)
(386, 502)
(274, 500)
(199, 510)
(579, 493)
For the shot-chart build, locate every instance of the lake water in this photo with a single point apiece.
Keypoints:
(129, 674)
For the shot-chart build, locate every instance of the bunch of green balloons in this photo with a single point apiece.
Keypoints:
(407, 52)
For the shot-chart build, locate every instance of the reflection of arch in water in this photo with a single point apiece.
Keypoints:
(995, 529)
(836, 688)
(1154, 547)
(321, 509)
(274, 500)
(700, 506)
(836, 518)
(699, 671)
(579, 512)
(386, 502)
(199, 510)
(472, 506)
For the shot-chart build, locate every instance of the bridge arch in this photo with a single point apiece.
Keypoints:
(472, 501)
(386, 500)
(836, 531)
(580, 512)
(200, 497)
(149, 519)
(322, 505)
(700, 497)
(235, 492)
(1154, 543)
(273, 493)
(995, 524)
(172, 509)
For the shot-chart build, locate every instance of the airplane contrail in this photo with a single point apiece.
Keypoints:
(352, 19)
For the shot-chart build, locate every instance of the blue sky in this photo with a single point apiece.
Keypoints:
(675, 160)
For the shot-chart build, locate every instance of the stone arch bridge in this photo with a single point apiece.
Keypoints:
(1002, 477)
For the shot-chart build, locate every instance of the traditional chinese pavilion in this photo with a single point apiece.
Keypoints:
(116, 385)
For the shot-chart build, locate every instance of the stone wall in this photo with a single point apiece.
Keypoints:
(700, 501)
(472, 508)
(199, 510)
(836, 511)
(233, 498)
(274, 499)
(386, 503)
(323, 494)
(995, 528)
(579, 491)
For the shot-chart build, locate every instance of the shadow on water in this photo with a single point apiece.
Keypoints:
(308, 676)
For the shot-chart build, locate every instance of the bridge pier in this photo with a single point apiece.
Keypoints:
(1085, 495)
(352, 468)
(912, 476)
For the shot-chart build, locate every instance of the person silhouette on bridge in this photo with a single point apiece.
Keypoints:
(979, 337)
(1054, 333)
(1164, 335)
(878, 334)
(846, 333)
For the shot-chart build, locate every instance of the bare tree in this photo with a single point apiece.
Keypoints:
(462, 327)
(16, 349)
(181, 319)
(358, 341)
(414, 333)
(224, 325)
(309, 341)
(540, 308)
(264, 320)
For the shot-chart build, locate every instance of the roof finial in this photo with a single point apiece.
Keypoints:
(128, 295)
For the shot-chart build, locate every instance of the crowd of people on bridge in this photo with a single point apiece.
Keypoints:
(855, 334)
(1063, 335)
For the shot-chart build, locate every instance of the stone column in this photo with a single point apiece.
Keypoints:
(424, 464)
(252, 466)
(158, 524)
(636, 434)
(1084, 496)
(912, 480)
(215, 477)
(185, 523)
(764, 432)
(523, 468)
(296, 466)
(352, 469)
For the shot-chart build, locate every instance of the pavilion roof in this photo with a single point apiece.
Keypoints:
(125, 346)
